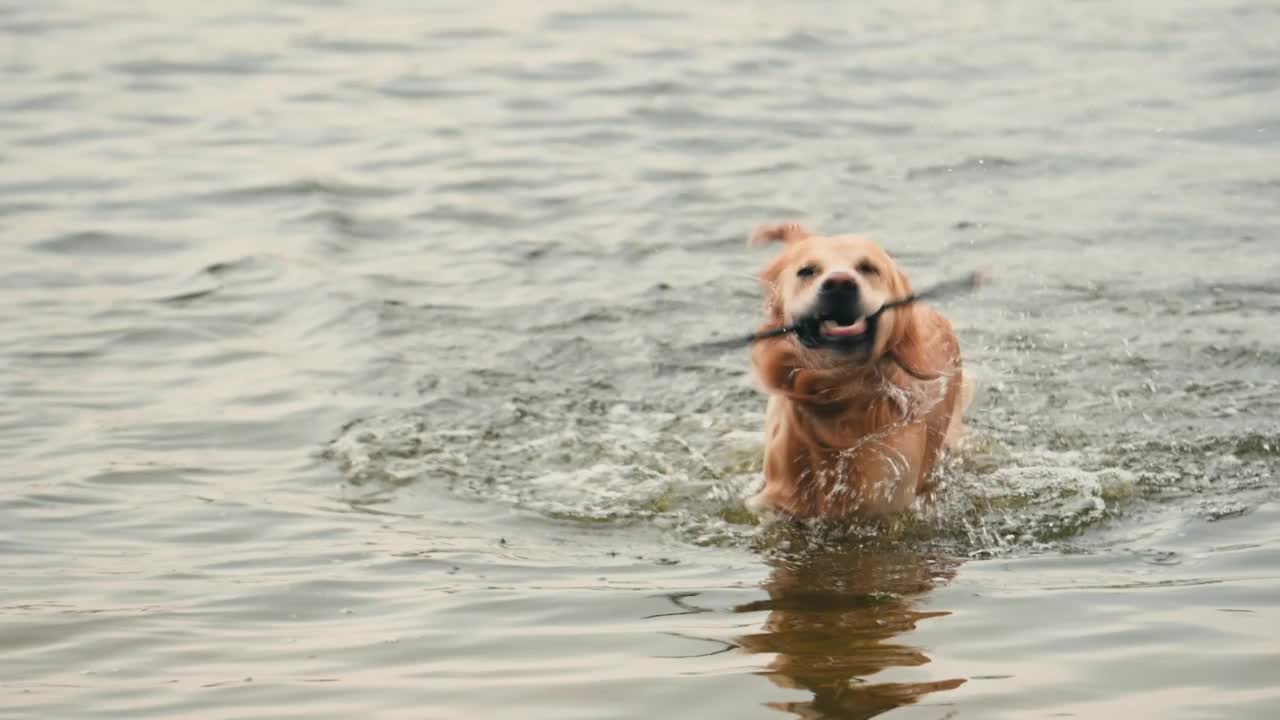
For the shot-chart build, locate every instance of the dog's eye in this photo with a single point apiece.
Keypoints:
(807, 271)
(866, 268)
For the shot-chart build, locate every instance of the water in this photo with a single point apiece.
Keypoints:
(347, 362)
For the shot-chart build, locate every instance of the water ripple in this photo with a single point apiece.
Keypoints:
(349, 360)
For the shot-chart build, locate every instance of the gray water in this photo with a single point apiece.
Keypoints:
(347, 364)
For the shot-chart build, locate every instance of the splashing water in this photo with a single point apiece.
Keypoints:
(690, 474)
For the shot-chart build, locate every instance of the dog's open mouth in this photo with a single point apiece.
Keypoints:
(842, 330)
(833, 329)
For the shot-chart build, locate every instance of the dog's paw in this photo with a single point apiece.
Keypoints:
(765, 511)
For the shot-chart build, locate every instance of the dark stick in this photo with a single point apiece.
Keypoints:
(965, 284)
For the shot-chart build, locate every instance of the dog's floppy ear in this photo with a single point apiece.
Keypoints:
(924, 346)
(772, 294)
(779, 232)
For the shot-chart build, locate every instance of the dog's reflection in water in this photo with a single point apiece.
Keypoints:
(833, 620)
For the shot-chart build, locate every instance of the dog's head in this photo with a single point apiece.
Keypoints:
(832, 288)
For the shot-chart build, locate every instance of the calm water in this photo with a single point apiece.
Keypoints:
(346, 368)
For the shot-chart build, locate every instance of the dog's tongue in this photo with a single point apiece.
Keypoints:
(831, 328)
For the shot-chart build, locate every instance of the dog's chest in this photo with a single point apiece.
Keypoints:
(870, 457)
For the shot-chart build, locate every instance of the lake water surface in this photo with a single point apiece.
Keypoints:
(347, 367)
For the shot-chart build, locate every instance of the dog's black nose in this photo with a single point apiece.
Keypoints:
(840, 283)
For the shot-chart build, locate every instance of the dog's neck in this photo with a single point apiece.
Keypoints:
(816, 379)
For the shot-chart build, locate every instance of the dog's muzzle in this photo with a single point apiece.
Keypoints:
(837, 321)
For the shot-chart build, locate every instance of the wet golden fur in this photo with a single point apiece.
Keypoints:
(852, 434)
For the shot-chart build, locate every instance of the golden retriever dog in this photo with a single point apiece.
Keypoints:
(861, 403)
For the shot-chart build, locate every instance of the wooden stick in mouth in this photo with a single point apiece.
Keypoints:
(968, 283)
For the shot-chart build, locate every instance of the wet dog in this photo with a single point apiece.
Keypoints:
(862, 403)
